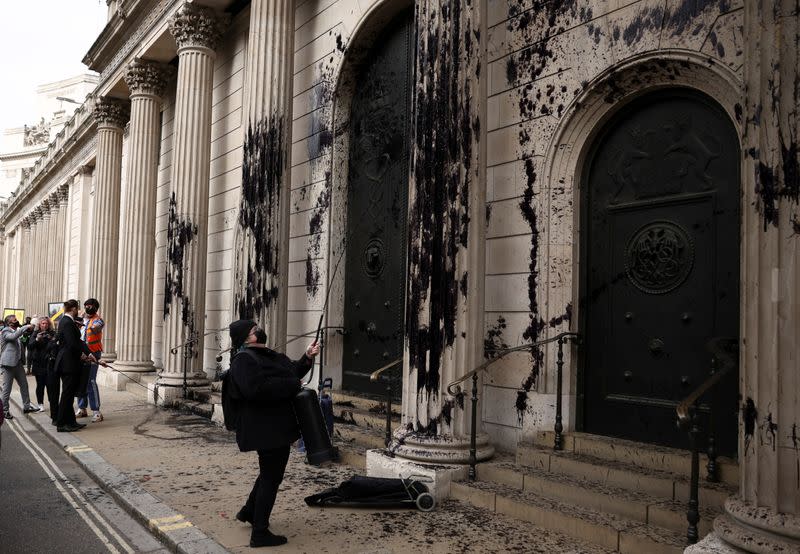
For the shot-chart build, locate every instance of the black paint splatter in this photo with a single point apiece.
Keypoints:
(259, 218)
(565, 317)
(181, 232)
(443, 173)
(749, 418)
(494, 339)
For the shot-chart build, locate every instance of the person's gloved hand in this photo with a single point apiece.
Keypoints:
(312, 350)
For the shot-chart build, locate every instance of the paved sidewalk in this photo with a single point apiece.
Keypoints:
(194, 468)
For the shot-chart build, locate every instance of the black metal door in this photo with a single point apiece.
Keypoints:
(662, 267)
(377, 203)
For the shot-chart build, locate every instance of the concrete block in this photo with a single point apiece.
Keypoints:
(380, 464)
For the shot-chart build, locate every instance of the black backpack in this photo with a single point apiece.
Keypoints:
(231, 399)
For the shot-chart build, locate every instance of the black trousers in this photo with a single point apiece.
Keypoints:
(271, 465)
(70, 383)
(53, 390)
(41, 385)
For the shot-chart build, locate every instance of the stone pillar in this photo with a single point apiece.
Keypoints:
(765, 515)
(197, 32)
(42, 292)
(146, 81)
(84, 180)
(444, 307)
(59, 241)
(53, 250)
(28, 226)
(261, 245)
(67, 192)
(111, 115)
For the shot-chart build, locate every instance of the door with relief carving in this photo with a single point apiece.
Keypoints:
(661, 268)
(377, 205)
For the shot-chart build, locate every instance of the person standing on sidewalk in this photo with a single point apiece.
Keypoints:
(72, 353)
(23, 340)
(41, 352)
(93, 336)
(11, 362)
(265, 382)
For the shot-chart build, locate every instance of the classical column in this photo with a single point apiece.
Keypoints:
(111, 115)
(84, 179)
(24, 265)
(146, 81)
(262, 232)
(197, 32)
(66, 191)
(53, 248)
(765, 515)
(42, 292)
(444, 306)
(59, 241)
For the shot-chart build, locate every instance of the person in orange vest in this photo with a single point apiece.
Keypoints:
(93, 336)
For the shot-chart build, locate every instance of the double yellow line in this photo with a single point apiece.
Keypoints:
(170, 523)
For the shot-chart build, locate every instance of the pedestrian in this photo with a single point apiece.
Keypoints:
(72, 353)
(23, 340)
(93, 336)
(41, 352)
(265, 382)
(11, 362)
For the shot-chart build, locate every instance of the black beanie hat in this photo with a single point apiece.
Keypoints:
(239, 330)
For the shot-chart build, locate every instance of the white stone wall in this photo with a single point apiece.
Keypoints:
(542, 61)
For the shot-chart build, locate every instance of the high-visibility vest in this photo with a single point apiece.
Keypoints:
(94, 333)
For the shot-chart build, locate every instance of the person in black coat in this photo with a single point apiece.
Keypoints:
(264, 382)
(41, 353)
(72, 353)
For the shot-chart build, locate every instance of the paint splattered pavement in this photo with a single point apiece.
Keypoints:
(196, 468)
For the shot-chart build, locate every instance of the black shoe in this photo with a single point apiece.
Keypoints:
(68, 428)
(244, 516)
(29, 410)
(8, 416)
(265, 538)
(80, 425)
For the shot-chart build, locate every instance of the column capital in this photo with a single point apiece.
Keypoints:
(63, 193)
(83, 170)
(197, 26)
(145, 77)
(26, 222)
(111, 112)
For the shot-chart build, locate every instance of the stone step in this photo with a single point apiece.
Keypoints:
(647, 456)
(363, 418)
(610, 531)
(655, 482)
(634, 505)
(366, 402)
(360, 436)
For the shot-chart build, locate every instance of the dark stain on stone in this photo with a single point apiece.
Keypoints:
(259, 216)
(769, 432)
(749, 418)
(441, 165)
(181, 232)
(683, 16)
(566, 317)
(494, 339)
(648, 20)
(737, 110)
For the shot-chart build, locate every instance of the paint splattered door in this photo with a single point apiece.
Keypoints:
(377, 209)
(662, 267)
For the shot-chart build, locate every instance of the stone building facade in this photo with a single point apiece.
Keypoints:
(440, 180)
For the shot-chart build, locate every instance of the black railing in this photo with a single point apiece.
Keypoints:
(375, 376)
(723, 360)
(561, 339)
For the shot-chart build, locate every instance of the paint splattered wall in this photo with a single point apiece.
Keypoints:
(542, 58)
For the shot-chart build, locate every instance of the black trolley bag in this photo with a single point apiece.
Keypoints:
(319, 449)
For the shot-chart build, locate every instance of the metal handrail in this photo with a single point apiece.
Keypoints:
(503, 352)
(560, 339)
(717, 348)
(377, 373)
(721, 350)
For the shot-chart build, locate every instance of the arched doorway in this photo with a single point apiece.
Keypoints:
(661, 267)
(377, 205)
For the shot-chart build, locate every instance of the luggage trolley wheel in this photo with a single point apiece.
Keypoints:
(426, 502)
